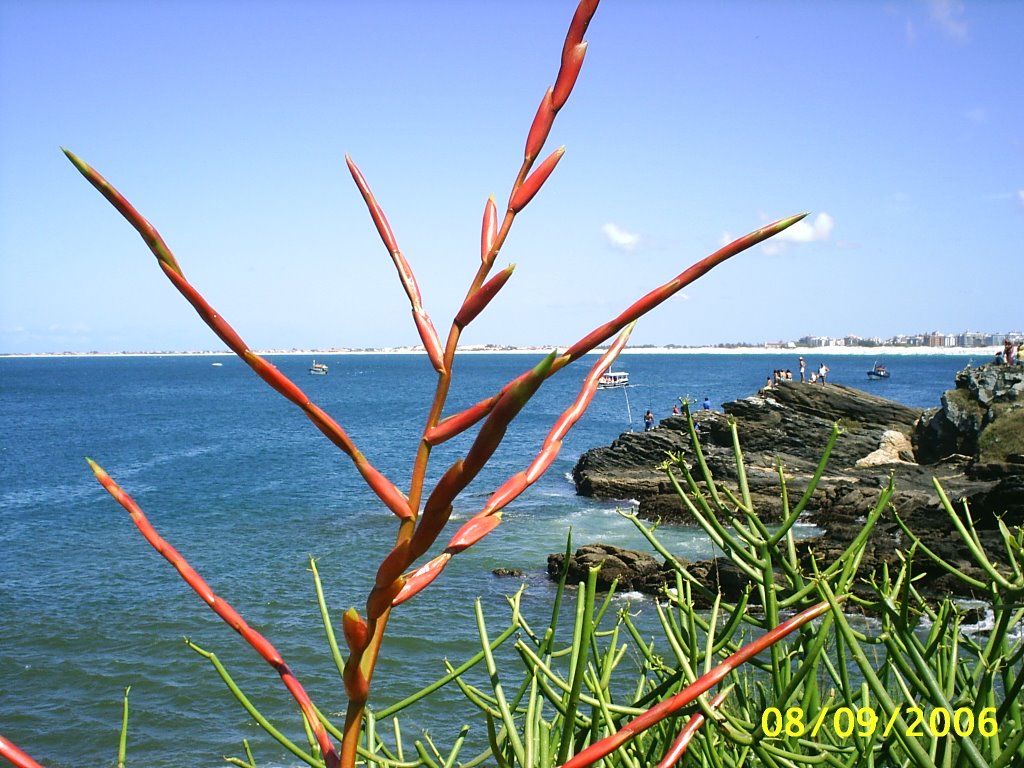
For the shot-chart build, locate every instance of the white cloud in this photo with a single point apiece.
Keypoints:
(804, 231)
(619, 238)
(1020, 196)
(948, 15)
(977, 115)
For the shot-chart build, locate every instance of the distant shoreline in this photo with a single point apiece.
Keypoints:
(984, 354)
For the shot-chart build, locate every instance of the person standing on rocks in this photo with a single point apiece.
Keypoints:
(803, 368)
(822, 373)
(648, 421)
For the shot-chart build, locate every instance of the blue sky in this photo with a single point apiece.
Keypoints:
(899, 126)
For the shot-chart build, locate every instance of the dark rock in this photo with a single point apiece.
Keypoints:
(633, 570)
(973, 443)
(508, 572)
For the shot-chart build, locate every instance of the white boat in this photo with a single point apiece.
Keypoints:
(318, 369)
(879, 371)
(613, 379)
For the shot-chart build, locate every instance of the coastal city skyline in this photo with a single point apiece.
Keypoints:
(691, 124)
(965, 340)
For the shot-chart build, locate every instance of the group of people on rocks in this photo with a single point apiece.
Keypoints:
(649, 417)
(778, 375)
(1009, 355)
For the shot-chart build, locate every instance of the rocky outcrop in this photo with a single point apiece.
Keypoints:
(973, 444)
(982, 418)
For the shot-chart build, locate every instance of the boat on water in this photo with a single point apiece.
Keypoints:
(879, 371)
(613, 379)
(318, 369)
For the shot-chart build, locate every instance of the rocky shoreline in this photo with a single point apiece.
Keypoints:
(973, 444)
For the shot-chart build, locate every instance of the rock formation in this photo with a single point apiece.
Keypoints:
(973, 443)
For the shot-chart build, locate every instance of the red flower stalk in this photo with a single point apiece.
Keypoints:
(469, 534)
(478, 301)
(572, 62)
(457, 476)
(437, 510)
(221, 607)
(15, 756)
(379, 600)
(507, 408)
(463, 420)
(541, 127)
(488, 229)
(525, 193)
(384, 488)
(552, 444)
(673, 286)
(670, 706)
(379, 219)
(512, 399)
(679, 746)
(148, 231)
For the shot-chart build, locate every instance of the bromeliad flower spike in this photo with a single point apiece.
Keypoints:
(421, 514)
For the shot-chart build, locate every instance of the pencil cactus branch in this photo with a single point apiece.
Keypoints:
(224, 610)
(705, 682)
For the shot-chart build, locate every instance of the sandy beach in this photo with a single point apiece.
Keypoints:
(982, 354)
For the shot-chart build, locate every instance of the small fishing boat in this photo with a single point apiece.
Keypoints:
(879, 371)
(613, 379)
(318, 369)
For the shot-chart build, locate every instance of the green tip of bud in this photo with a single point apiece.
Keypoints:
(542, 368)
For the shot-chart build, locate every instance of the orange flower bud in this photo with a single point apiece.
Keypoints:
(541, 126)
(534, 181)
(478, 301)
(357, 633)
(567, 74)
(470, 533)
(431, 342)
(489, 228)
(421, 578)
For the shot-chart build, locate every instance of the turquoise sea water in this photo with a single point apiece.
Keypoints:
(247, 490)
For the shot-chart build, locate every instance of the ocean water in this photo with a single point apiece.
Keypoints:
(248, 490)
